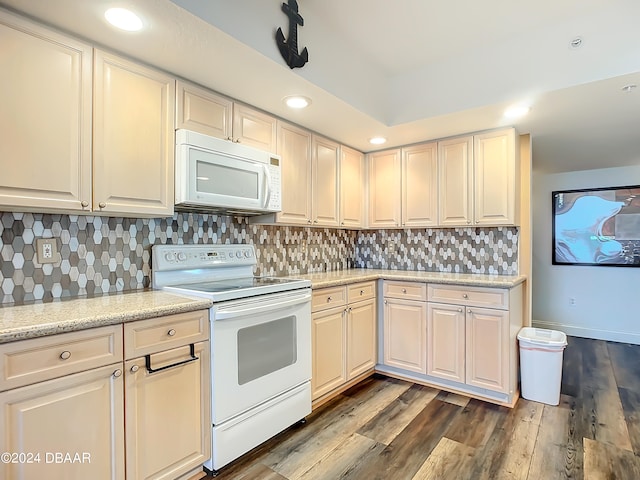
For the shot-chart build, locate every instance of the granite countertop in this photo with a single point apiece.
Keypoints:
(41, 319)
(344, 277)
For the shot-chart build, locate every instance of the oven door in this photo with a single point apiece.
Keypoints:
(260, 348)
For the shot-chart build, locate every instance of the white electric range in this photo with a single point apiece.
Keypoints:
(260, 342)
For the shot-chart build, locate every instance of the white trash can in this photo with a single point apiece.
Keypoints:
(541, 364)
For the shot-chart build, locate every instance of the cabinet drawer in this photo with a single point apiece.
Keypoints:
(361, 291)
(471, 296)
(30, 361)
(328, 298)
(162, 333)
(406, 290)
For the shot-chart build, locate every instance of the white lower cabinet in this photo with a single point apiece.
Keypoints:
(455, 337)
(71, 409)
(343, 336)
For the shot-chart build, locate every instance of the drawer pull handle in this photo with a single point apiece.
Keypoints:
(404, 290)
(66, 355)
(171, 332)
(464, 295)
(117, 373)
(135, 368)
(192, 352)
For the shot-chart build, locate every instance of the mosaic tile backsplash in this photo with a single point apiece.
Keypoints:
(104, 255)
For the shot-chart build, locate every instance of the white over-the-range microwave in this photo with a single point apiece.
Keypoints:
(220, 176)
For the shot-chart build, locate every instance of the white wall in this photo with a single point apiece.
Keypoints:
(607, 299)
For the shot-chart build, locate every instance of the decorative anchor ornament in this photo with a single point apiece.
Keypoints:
(289, 47)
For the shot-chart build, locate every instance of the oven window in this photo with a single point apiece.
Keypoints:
(266, 348)
(224, 180)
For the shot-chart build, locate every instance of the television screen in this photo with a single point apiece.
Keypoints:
(598, 227)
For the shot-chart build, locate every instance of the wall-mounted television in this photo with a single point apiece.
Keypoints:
(597, 227)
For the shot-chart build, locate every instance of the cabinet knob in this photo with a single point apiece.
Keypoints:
(315, 221)
(102, 205)
(468, 222)
(469, 311)
(404, 290)
(459, 310)
(230, 139)
(309, 222)
(386, 302)
(117, 373)
(464, 295)
(349, 309)
(171, 332)
(342, 223)
(135, 368)
(84, 204)
(361, 292)
(65, 355)
(329, 299)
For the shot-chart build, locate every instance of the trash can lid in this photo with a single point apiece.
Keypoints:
(542, 336)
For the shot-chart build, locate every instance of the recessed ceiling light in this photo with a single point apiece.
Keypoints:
(629, 88)
(517, 111)
(377, 140)
(297, 101)
(123, 19)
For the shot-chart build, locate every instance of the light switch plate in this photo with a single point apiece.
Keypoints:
(47, 250)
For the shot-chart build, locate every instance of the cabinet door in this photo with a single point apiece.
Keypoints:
(133, 138)
(455, 158)
(487, 335)
(351, 188)
(420, 185)
(294, 146)
(203, 111)
(405, 334)
(254, 128)
(168, 414)
(384, 188)
(446, 341)
(328, 351)
(361, 337)
(325, 160)
(80, 415)
(495, 178)
(45, 119)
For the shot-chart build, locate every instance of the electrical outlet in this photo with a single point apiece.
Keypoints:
(47, 250)
(572, 302)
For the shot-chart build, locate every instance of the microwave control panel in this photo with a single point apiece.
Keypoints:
(275, 185)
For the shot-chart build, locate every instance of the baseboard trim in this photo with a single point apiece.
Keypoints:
(612, 336)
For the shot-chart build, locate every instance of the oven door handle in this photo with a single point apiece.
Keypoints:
(225, 313)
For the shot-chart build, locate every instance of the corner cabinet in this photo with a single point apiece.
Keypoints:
(344, 338)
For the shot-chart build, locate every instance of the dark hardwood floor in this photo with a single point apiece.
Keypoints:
(394, 430)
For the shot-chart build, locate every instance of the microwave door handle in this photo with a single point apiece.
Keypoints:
(267, 185)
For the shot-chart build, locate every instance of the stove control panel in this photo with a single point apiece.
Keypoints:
(173, 257)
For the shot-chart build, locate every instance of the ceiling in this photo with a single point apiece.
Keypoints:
(410, 70)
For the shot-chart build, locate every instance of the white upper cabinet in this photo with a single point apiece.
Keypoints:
(133, 152)
(352, 191)
(494, 173)
(384, 188)
(325, 158)
(420, 185)
(45, 119)
(477, 179)
(209, 113)
(455, 162)
(294, 146)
